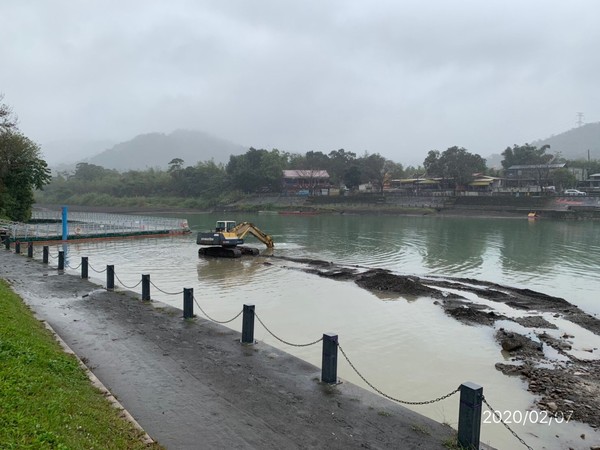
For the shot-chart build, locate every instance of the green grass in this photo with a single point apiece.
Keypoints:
(46, 399)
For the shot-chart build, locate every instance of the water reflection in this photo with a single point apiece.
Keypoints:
(455, 245)
(227, 271)
(527, 247)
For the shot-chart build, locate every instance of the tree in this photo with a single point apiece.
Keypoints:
(257, 169)
(8, 120)
(433, 165)
(525, 155)
(455, 164)
(340, 162)
(352, 177)
(91, 172)
(175, 165)
(21, 171)
(376, 169)
(563, 179)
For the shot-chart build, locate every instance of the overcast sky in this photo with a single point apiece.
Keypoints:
(397, 78)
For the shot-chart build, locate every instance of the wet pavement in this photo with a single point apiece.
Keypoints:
(191, 384)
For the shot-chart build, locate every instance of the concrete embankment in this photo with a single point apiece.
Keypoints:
(509, 206)
(191, 384)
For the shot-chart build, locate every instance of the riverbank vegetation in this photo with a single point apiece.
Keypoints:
(207, 185)
(47, 399)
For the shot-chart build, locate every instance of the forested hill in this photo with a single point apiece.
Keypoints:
(155, 150)
(575, 143)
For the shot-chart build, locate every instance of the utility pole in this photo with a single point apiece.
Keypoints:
(579, 119)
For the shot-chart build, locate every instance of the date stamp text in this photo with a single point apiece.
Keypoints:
(523, 418)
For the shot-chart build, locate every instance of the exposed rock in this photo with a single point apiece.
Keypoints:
(535, 322)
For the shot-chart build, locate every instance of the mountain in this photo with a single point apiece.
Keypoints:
(156, 150)
(65, 151)
(575, 143)
(572, 144)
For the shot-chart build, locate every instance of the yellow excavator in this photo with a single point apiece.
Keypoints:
(226, 240)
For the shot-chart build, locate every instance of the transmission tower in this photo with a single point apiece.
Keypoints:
(579, 119)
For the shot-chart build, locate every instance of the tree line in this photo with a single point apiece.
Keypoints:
(207, 184)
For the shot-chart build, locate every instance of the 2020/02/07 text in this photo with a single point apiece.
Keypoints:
(519, 417)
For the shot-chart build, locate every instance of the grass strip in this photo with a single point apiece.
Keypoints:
(46, 399)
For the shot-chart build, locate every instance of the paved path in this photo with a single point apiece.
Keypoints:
(192, 385)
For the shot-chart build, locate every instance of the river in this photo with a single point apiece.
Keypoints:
(406, 347)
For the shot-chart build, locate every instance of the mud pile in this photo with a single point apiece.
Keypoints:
(569, 388)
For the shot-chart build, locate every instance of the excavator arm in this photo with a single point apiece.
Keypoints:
(242, 229)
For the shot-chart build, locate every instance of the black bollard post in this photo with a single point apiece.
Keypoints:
(110, 278)
(17, 247)
(84, 267)
(61, 260)
(188, 303)
(146, 287)
(248, 325)
(30, 249)
(45, 254)
(469, 415)
(329, 364)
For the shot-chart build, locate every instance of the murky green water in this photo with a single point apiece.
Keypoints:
(407, 348)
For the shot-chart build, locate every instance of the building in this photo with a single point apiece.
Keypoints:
(306, 182)
(591, 185)
(531, 175)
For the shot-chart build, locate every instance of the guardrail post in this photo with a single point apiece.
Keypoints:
(146, 287)
(248, 324)
(84, 267)
(110, 277)
(61, 260)
(30, 249)
(45, 251)
(469, 415)
(188, 303)
(17, 247)
(329, 364)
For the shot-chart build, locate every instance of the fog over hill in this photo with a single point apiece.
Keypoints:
(155, 150)
(572, 144)
(575, 143)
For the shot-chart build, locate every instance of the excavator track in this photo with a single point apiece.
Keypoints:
(220, 252)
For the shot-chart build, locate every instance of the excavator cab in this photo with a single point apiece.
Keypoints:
(225, 225)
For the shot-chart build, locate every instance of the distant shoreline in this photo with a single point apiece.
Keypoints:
(485, 207)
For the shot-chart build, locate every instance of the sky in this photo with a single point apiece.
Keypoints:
(398, 78)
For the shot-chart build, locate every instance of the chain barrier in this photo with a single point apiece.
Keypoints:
(214, 320)
(97, 271)
(499, 417)
(126, 286)
(53, 257)
(74, 268)
(286, 342)
(165, 292)
(443, 397)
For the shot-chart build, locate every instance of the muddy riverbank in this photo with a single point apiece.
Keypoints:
(567, 383)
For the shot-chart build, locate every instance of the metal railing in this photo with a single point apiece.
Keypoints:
(48, 225)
